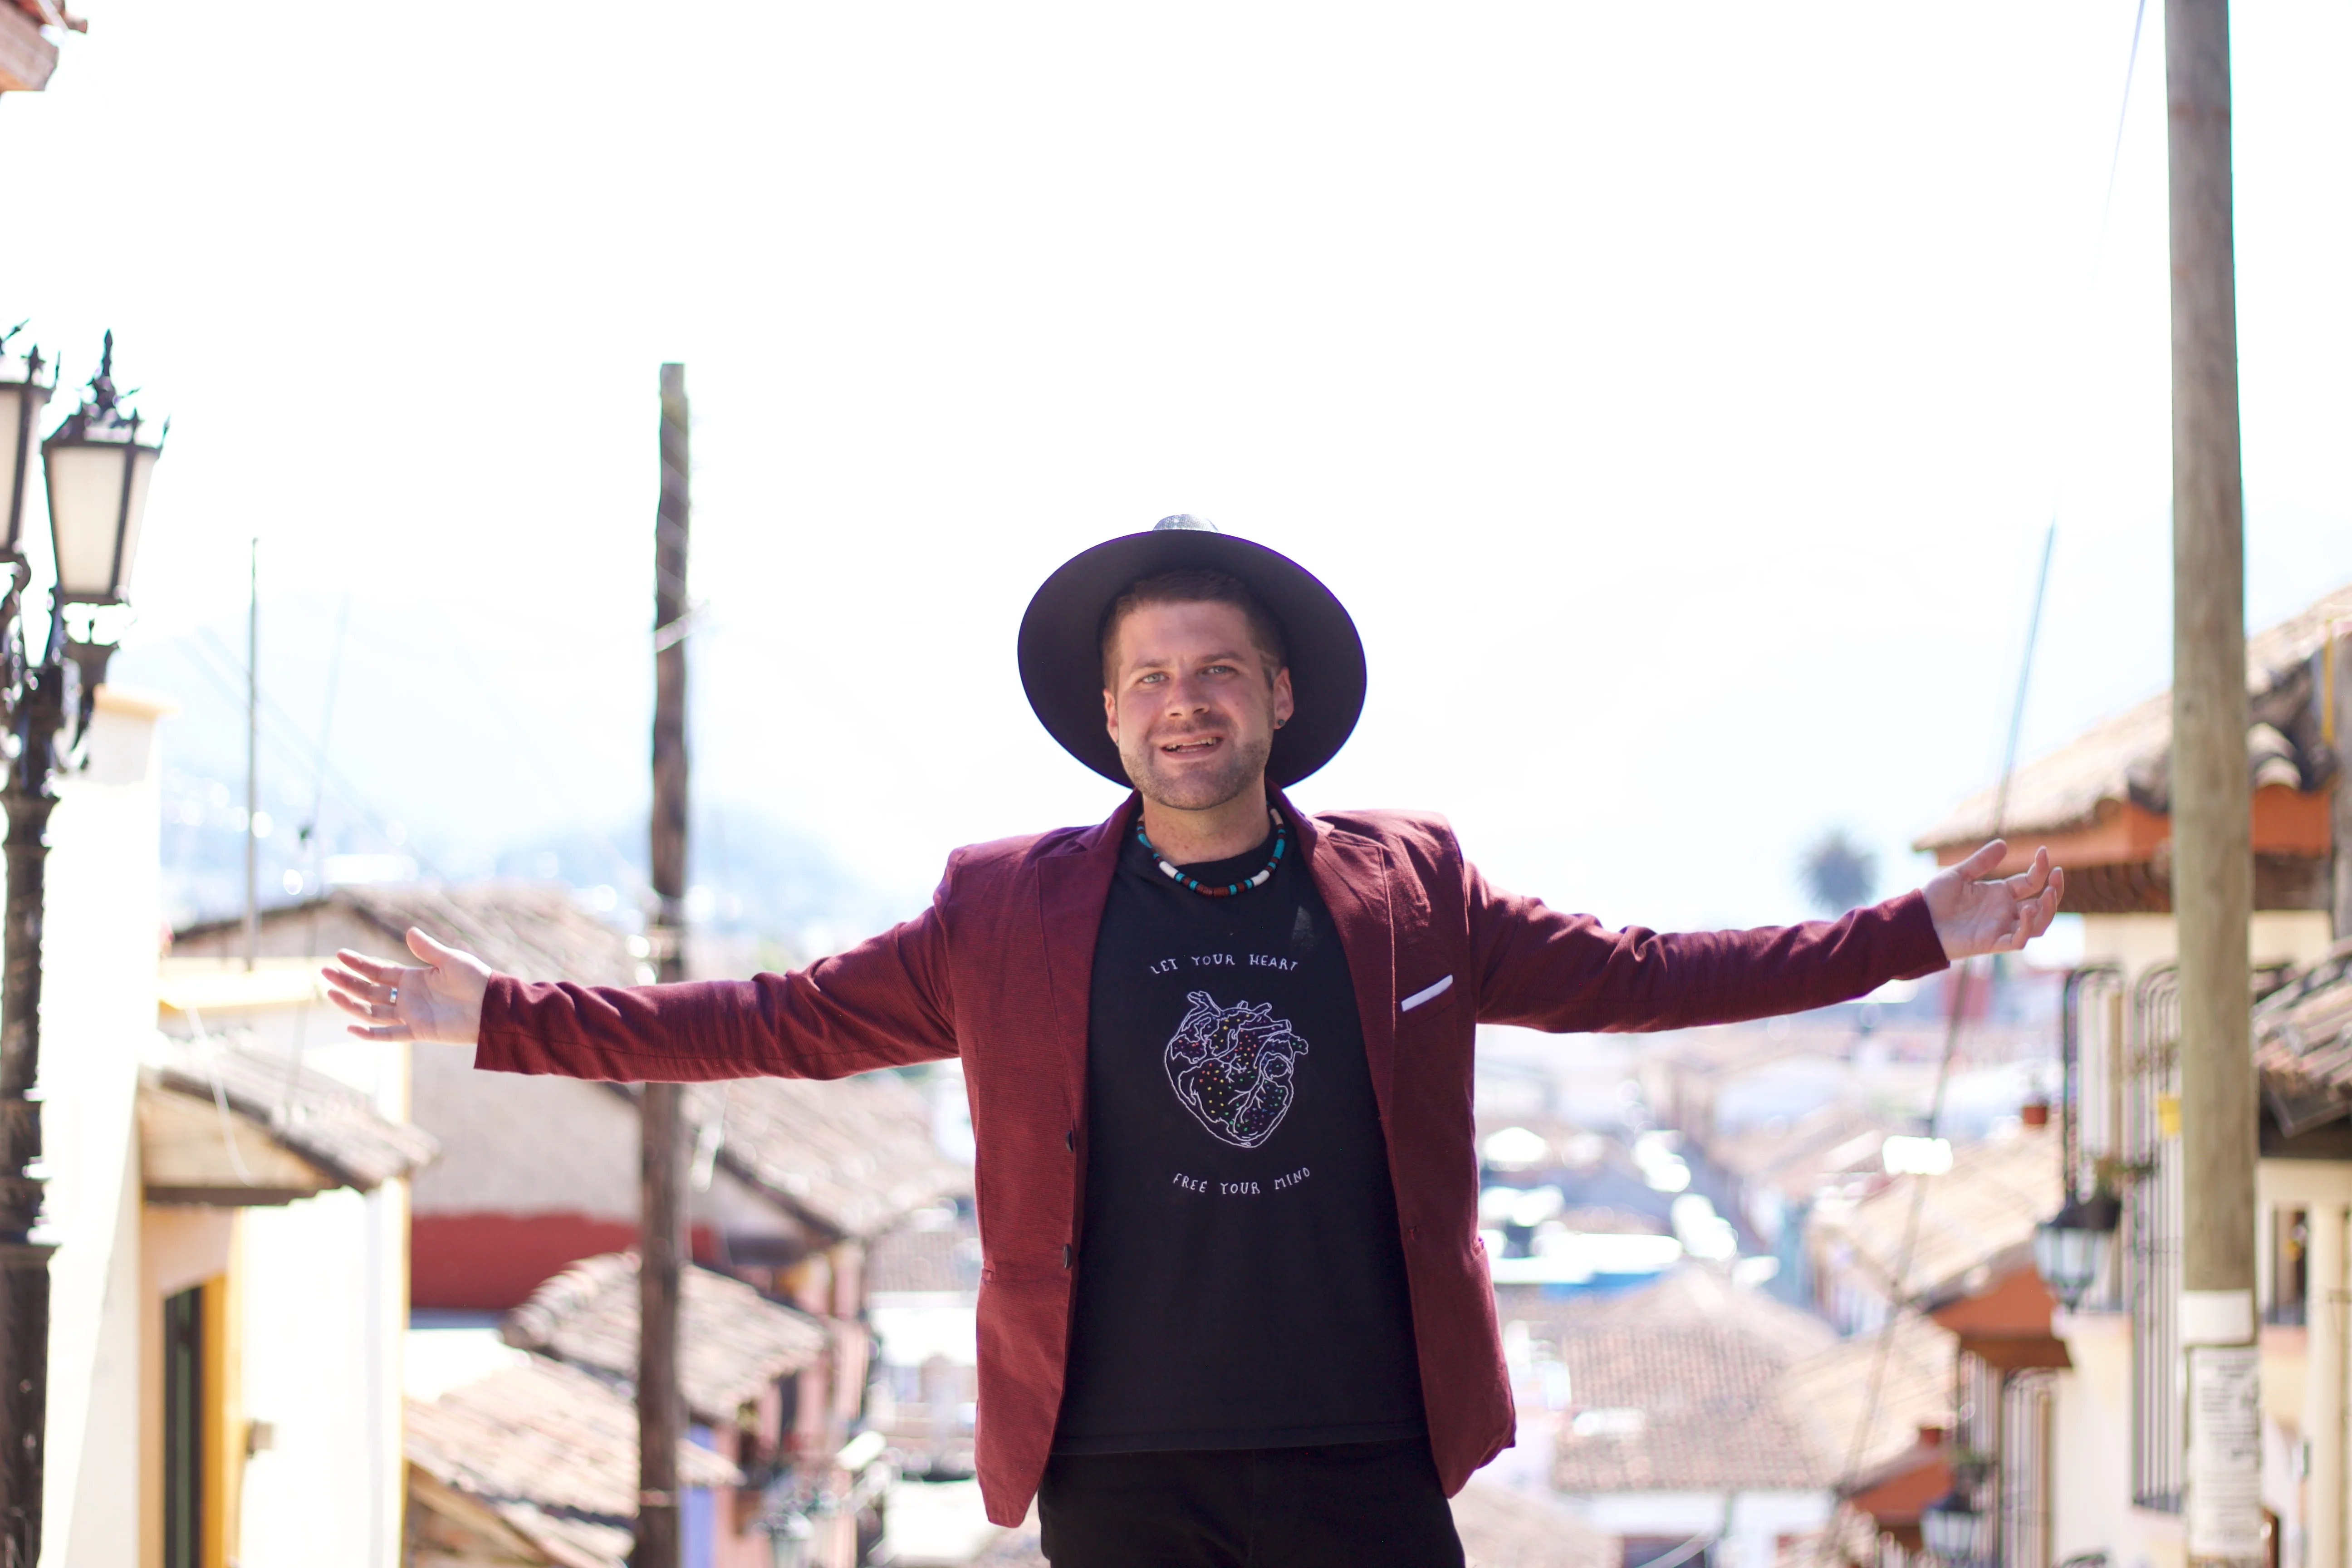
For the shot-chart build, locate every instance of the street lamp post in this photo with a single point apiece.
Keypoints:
(97, 468)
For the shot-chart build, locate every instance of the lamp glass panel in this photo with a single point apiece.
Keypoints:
(2070, 1259)
(14, 395)
(1952, 1532)
(142, 470)
(1945, 1534)
(85, 504)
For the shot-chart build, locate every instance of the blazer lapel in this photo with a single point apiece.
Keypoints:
(1072, 886)
(1353, 874)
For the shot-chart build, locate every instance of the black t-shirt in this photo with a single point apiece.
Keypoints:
(1240, 1280)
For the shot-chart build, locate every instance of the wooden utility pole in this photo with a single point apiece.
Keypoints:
(661, 1403)
(2212, 850)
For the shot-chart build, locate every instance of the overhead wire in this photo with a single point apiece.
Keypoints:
(279, 725)
(1859, 1446)
(636, 880)
(1962, 977)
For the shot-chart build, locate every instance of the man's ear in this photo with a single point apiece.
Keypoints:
(1110, 713)
(1282, 706)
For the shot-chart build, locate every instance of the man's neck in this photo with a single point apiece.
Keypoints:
(1218, 833)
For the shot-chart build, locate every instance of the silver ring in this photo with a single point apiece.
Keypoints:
(394, 999)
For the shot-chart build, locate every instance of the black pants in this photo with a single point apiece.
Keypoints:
(1351, 1505)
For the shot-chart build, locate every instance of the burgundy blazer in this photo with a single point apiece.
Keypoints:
(996, 972)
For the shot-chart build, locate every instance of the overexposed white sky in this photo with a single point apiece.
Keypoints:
(1676, 395)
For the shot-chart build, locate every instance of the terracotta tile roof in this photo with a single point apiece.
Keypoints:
(734, 1342)
(1831, 1391)
(1677, 1386)
(929, 1256)
(322, 1118)
(2303, 1043)
(852, 1155)
(2128, 757)
(536, 929)
(447, 1525)
(1983, 1208)
(1504, 1528)
(549, 1438)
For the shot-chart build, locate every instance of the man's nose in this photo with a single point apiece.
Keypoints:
(1185, 696)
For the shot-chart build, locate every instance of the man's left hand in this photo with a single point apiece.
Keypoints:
(1974, 916)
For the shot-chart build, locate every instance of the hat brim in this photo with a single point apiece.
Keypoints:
(1061, 650)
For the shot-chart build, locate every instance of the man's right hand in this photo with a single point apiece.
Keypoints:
(442, 1001)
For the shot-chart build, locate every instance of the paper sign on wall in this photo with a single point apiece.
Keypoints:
(2225, 1453)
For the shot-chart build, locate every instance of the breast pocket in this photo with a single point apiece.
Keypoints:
(1437, 992)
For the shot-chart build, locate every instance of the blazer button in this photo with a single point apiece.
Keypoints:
(1071, 1139)
(1066, 1254)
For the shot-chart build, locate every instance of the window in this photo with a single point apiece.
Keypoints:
(2025, 1426)
(2092, 1064)
(2290, 1269)
(2151, 1250)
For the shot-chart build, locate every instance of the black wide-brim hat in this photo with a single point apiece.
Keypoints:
(1061, 643)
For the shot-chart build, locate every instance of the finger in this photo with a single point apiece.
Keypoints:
(374, 968)
(359, 1008)
(1984, 862)
(2045, 908)
(2028, 883)
(430, 951)
(343, 980)
(382, 1032)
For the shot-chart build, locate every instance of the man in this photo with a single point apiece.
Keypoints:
(1233, 1307)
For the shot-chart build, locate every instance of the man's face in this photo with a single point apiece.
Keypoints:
(1190, 703)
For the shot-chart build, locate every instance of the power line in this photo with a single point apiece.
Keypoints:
(553, 776)
(294, 750)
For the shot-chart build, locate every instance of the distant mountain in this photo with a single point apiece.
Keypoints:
(388, 750)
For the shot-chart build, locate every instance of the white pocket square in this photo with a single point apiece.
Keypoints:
(1426, 994)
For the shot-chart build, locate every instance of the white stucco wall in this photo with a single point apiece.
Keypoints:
(323, 1293)
(2091, 1446)
(2132, 942)
(322, 1283)
(102, 925)
(325, 1307)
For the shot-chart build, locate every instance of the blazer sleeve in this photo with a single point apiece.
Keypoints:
(1544, 970)
(885, 1002)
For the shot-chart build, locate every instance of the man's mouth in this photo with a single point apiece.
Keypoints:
(1192, 745)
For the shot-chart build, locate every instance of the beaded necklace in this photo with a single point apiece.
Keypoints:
(1281, 842)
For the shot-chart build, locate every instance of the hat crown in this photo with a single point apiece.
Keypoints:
(1061, 641)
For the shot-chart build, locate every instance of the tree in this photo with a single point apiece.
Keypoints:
(1839, 874)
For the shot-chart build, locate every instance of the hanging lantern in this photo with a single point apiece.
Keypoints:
(1952, 1529)
(2070, 1249)
(22, 393)
(97, 468)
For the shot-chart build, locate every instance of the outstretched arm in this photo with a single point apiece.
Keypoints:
(885, 1002)
(1568, 974)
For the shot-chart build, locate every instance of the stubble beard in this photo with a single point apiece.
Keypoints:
(1199, 789)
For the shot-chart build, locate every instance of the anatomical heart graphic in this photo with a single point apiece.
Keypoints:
(1232, 1067)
